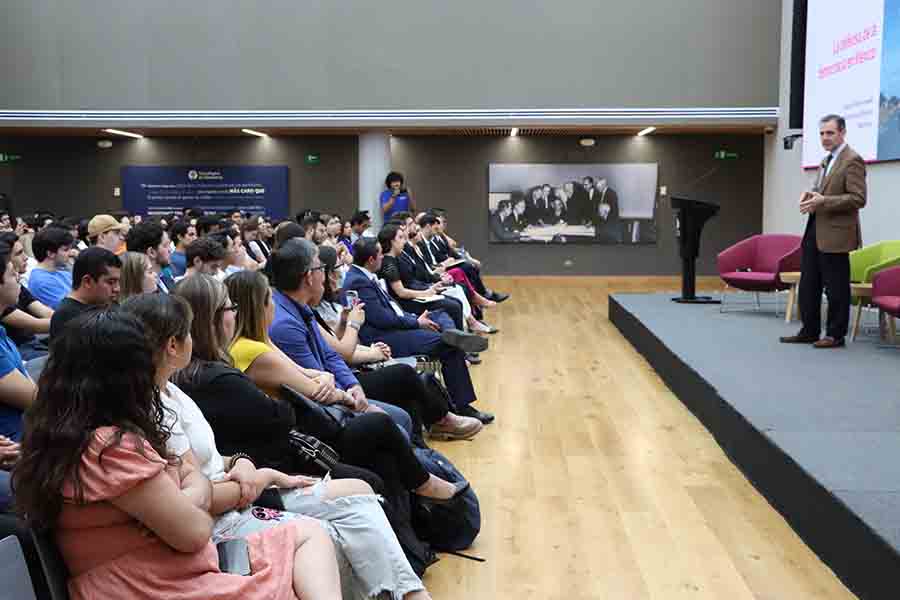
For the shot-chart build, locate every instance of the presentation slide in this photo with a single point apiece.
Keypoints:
(853, 69)
(844, 49)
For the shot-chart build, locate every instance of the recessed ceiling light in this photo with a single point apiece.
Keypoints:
(136, 136)
(644, 132)
(514, 132)
(587, 142)
(256, 133)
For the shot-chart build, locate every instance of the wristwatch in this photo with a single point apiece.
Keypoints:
(354, 324)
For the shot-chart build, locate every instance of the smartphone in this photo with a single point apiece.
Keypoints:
(234, 556)
(351, 298)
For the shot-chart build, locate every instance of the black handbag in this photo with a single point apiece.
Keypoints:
(312, 418)
(313, 450)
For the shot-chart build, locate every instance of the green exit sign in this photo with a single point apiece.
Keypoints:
(4, 157)
(313, 158)
(725, 155)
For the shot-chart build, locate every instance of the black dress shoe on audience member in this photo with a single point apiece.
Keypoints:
(499, 297)
(471, 411)
(829, 342)
(800, 338)
(473, 358)
(467, 342)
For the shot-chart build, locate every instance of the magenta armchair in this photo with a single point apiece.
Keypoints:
(756, 264)
(886, 295)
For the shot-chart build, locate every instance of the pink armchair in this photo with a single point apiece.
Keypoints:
(886, 296)
(756, 264)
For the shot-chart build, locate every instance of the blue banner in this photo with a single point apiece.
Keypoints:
(162, 190)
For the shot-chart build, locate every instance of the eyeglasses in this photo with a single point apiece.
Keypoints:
(232, 308)
(319, 268)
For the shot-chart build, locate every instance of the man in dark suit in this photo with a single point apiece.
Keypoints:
(516, 220)
(431, 333)
(832, 231)
(498, 228)
(605, 214)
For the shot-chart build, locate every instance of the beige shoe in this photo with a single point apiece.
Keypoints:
(455, 427)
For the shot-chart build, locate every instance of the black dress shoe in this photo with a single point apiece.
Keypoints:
(471, 411)
(499, 297)
(460, 486)
(800, 338)
(467, 342)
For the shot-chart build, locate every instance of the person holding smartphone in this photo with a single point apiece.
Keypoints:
(396, 197)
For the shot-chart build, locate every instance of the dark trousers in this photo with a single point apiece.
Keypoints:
(451, 306)
(829, 271)
(474, 276)
(401, 386)
(372, 441)
(412, 342)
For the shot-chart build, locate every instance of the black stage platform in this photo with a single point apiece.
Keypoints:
(817, 432)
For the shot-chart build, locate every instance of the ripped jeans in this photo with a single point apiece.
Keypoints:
(369, 556)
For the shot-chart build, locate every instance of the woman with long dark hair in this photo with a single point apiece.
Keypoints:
(369, 554)
(131, 520)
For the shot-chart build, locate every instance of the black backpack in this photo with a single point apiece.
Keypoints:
(446, 527)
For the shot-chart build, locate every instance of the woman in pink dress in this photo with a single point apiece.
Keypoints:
(130, 521)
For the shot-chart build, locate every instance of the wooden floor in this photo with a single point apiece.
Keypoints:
(596, 482)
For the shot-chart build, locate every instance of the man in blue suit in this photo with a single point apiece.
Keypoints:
(431, 333)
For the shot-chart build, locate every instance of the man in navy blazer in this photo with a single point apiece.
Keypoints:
(431, 333)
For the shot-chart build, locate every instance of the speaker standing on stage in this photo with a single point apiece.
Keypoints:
(832, 231)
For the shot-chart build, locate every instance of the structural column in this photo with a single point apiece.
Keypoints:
(374, 165)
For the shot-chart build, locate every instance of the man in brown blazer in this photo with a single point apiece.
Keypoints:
(832, 231)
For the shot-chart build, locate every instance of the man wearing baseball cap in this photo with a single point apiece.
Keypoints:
(106, 231)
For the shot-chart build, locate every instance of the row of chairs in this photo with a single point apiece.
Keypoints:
(759, 264)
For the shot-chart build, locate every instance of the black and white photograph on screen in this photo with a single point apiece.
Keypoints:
(572, 203)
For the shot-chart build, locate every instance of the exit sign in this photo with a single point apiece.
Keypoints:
(725, 155)
(4, 157)
(313, 158)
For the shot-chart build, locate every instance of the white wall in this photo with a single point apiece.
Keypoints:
(785, 179)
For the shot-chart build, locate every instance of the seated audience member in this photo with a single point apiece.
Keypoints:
(129, 519)
(399, 271)
(287, 231)
(447, 246)
(346, 234)
(183, 234)
(105, 231)
(50, 281)
(313, 229)
(16, 388)
(359, 225)
(340, 326)
(256, 249)
(137, 276)
(437, 253)
(152, 240)
(424, 272)
(408, 335)
(208, 224)
(498, 223)
(28, 318)
(367, 547)
(395, 198)
(266, 233)
(369, 440)
(204, 256)
(96, 285)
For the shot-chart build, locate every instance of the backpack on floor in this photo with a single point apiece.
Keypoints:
(446, 527)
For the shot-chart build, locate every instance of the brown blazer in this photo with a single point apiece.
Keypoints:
(844, 188)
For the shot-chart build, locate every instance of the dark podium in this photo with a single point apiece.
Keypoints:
(690, 217)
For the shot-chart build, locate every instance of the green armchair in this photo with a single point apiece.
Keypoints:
(865, 262)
